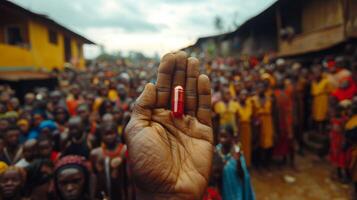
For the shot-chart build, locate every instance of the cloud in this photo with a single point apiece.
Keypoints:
(94, 13)
(146, 25)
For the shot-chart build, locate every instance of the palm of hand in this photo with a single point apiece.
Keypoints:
(171, 157)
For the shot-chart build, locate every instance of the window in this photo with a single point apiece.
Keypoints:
(80, 50)
(14, 36)
(53, 36)
(67, 49)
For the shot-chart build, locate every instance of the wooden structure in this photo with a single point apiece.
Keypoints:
(292, 28)
(316, 25)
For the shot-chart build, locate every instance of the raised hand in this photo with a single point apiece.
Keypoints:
(171, 157)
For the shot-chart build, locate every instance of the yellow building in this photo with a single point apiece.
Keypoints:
(31, 41)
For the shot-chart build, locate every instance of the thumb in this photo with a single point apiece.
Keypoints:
(142, 110)
(145, 102)
(147, 99)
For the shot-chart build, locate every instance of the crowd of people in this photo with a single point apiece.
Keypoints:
(68, 143)
(266, 108)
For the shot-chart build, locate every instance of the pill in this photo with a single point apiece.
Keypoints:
(177, 102)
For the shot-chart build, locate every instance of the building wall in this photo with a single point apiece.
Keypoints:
(318, 14)
(351, 25)
(14, 56)
(77, 54)
(313, 41)
(2, 34)
(322, 24)
(45, 54)
(40, 52)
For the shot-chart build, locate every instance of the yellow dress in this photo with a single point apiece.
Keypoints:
(264, 114)
(97, 103)
(245, 131)
(320, 92)
(227, 113)
(232, 90)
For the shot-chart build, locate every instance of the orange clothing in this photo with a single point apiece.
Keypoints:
(72, 105)
(244, 113)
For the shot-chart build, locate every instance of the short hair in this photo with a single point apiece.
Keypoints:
(42, 138)
(12, 127)
(107, 127)
(75, 119)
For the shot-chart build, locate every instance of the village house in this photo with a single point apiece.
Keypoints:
(288, 28)
(33, 42)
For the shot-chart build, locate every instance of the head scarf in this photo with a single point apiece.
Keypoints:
(72, 161)
(40, 112)
(270, 78)
(3, 167)
(20, 170)
(51, 125)
(348, 93)
(11, 115)
(24, 122)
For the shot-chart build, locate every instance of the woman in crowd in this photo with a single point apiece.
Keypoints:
(12, 182)
(235, 176)
(72, 179)
(244, 116)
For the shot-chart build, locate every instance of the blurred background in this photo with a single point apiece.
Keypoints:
(101, 53)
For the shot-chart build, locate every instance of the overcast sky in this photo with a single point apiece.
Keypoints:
(149, 26)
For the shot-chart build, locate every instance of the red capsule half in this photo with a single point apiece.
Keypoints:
(177, 102)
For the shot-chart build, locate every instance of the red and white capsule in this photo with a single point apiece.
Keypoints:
(177, 102)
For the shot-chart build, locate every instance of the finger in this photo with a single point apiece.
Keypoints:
(142, 111)
(180, 70)
(163, 84)
(192, 73)
(145, 103)
(204, 100)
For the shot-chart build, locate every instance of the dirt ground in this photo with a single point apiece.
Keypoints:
(312, 182)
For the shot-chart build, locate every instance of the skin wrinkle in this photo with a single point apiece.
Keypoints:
(160, 127)
(191, 86)
(170, 148)
(163, 89)
(177, 75)
(164, 137)
(187, 168)
(168, 173)
(176, 134)
(142, 164)
(181, 143)
(197, 166)
(189, 157)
